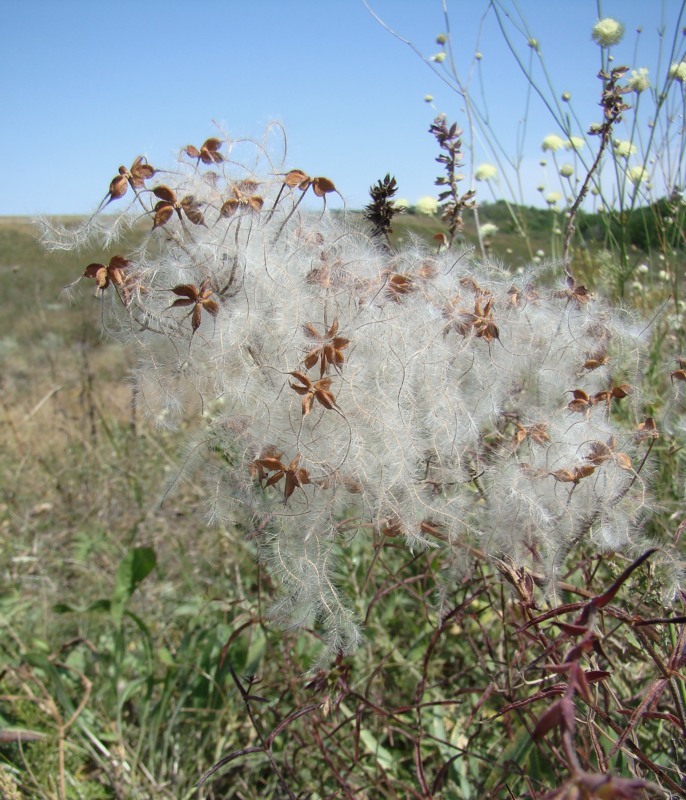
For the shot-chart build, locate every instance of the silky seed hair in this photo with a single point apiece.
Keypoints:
(431, 397)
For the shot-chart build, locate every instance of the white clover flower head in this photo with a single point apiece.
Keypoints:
(442, 38)
(553, 142)
(678, 71)
(553, 198)
(487, 230)
(426, 205)
(536, 260)
(607, 32)
(594, 127)
(575, 143)
(486, 172)
(566, 97)
(643, 268)
(428, 98)
(540, 253)
(623, 148)
(566, 170)
(439, 58)
(663, 275)
(638, 81)
(637, 286)
(637, 174)
(478, 55)
(401, 202)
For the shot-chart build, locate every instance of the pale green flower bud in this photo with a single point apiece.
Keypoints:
(678, 71)
(638, 80)
(607, 32)
(623, 148)
(426, 205)
(574, 143)
(485, 172)
(553, 142)
(637, 174)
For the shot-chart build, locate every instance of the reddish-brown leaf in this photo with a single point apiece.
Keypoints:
(322, 186)
(647, 429)
(189, 290)
(209, 151)
(163, 213)
(573, 475)
(296, 177)
(211, 306)
(140, 172)
(118, 187)
(196, 317)
(229, 208)
(165, 193)
(581, 402)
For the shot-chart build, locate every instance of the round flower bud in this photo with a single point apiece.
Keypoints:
(607, 32)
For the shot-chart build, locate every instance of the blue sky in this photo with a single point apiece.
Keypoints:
(90, 85)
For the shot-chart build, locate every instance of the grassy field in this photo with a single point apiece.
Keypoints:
(135, 647)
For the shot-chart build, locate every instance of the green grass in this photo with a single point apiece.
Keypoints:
(135, 645)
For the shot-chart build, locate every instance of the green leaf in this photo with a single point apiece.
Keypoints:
(100, 605)
(62, 608)
(136, 565)
(517, 752)
(383, 756)
(256, 652)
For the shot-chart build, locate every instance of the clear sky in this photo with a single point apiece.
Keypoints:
(88, 85)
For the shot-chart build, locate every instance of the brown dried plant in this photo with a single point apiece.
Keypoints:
(328, 351)
(114, 273)
(135, 177)
(381, 210)
(573, 474)
(398, 285)
(537, 433)
(297, 179)
(169, 203)
(313, 390)
(295, 477)
(612, 102)
(208, 152)
(199, 298)
(479, 322)
(602, 452)
(582, 402)
(244, 197)
(574, 293)
(449, 138)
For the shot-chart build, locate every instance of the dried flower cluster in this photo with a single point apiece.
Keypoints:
(350, 390)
